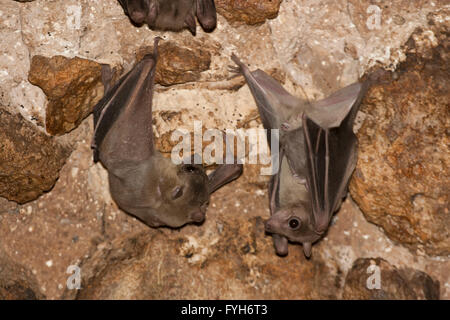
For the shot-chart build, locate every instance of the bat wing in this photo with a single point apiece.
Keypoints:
(330, 151)
(272, 100)
(224, 173)
(206, 14)
(123, 3)
(123, 118)
(338, 105)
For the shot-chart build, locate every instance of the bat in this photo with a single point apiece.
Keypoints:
(317, 155)
(142, 182)
(172, 15)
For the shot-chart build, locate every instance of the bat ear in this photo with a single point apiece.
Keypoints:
(224, 174)
(281, 245)
(330, 112)
(307, 249)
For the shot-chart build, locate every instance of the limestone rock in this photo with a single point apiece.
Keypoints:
(16, 93)
(178, 64)
(29, 161)
(73, 87)
(376, 279)
(248, 11)
(402, 179)
(326, 45)
(316, 46)
(17, 282)
(239, 263)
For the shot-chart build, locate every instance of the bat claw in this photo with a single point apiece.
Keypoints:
(234, 69)
(285, 126)
(155, 46)
(237, 61)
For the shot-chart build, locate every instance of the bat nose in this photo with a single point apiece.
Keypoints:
(268, 226)
(137, 17)
(198, 216)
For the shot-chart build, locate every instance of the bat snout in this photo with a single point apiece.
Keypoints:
(198, 216)
(269, 226)
(138, 17)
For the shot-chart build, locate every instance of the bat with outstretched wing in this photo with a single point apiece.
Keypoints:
(172, 15)
(142, 182)
(317, 155)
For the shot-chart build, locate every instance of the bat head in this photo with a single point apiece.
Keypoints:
(295, 224)
(185, 196)
(206, 14)
(137, 10)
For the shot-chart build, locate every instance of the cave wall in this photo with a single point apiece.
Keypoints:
(55, 207)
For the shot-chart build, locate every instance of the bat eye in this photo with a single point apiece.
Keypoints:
(177, 192)
(294, 223)
(190, 169)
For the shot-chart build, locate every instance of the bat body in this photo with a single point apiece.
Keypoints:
(318, 152)
(143, 182)
(172, 15)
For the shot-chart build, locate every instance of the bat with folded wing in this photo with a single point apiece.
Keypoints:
(317, 155)
(142, 182)
(172, 15)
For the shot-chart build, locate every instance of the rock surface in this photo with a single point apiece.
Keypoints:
(239, 263)
(314, 48)
(178, 64)
(393, 283)
(402, 179)
(73, 87)
(248, 11)
(16, 282)
(29, 160)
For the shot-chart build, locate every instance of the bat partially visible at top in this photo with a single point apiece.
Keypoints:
(317, 155)
(142, 182)
(172, 15)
